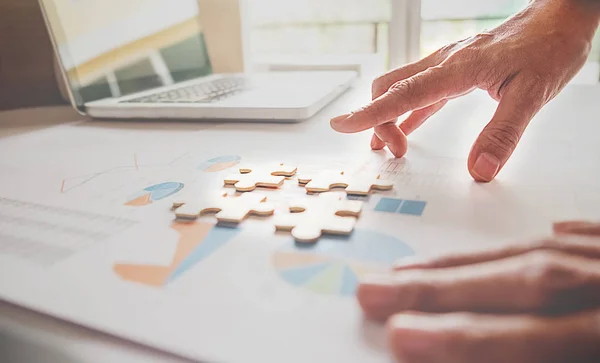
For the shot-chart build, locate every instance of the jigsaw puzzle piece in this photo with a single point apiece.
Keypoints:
(308, 229)
(302, 229)
(251, 181)
(189, 210)
(364, 186)
(238, 209)
(280, 169)
(310, 218)
(227, 209)
(328, 203)
(354, 185)
(323, 182)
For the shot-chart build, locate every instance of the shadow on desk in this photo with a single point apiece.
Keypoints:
(20, 121)
(16, 349)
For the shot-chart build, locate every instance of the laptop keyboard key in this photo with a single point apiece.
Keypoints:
(203, 92)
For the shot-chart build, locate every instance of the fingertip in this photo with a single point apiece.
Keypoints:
(337, 123)
(398, 149)
(566, 226)
(377, 143)
(392, 137)
(375, 294)
(583, 228)
(414, 337)
(485, 168)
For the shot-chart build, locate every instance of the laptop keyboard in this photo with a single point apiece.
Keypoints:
(206, 92)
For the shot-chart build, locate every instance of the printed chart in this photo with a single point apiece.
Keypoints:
(219, 163)
(76, 182)
(333, 266)
(154, 193)
(45, 235)
(141, 184)
(401, 206)
(423, 172)
(197, 241)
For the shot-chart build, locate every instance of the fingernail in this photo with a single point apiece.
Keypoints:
(415, 336)
(409, 263)
(339, 121)
(486, 167)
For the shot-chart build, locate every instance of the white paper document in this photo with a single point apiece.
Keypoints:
(87, 234)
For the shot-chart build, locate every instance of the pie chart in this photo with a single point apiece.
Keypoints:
(334, 266)
(154, 193)
(219, 163)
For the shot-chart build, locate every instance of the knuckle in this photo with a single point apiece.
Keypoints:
(467, 54)
(483, 37)
(467, 62)
(373, 112)
(424, 297)
(378, 86)
(404, 92)
(470, 55)
(548, 278)
(501, 136)
(546, 244)
(447, 49)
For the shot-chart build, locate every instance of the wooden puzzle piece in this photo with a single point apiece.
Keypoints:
(354, 184)
(310, 218)
(228, 209)
(249, 182)
(251, 177)
(280, 169)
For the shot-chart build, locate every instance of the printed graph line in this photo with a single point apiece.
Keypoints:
(136, 166)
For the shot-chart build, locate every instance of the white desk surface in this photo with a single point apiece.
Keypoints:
(565, 133)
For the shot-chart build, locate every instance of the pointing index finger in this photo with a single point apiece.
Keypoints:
(420, 91)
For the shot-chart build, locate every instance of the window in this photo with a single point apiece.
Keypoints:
(320, 32)
(443, 22)
(374, 35)
(446, 21)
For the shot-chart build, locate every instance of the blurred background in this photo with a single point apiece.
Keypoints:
(365, 35)
(342, 32)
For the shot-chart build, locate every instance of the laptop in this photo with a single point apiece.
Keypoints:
(174, 59)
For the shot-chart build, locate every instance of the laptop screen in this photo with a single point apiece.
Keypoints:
(113, 48)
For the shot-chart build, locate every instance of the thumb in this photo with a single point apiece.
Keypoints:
(476, 338)
(500, 137)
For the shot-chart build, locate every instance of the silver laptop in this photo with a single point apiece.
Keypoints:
(153, 59)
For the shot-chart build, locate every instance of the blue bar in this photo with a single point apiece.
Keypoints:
(389, 205)
(413, 208)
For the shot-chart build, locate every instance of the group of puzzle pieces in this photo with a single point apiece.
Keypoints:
(250, 178)
(307, 219)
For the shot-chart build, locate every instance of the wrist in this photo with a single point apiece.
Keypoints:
(588, 9)
(580, 16)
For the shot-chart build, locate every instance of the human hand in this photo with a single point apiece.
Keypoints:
(523, 64)
(536, 302)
